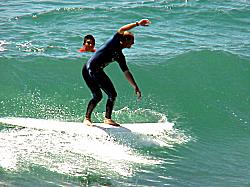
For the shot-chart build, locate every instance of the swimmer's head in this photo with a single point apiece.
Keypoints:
(88, 44)
(127, 39)
(89, 40)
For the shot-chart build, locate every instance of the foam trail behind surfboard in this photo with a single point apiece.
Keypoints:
(110, 149)
(67, 153)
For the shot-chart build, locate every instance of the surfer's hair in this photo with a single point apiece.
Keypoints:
(128, 36)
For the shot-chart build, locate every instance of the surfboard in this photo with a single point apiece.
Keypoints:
(80, 128)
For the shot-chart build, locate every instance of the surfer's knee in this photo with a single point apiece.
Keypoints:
(97, 97)
(112, 97)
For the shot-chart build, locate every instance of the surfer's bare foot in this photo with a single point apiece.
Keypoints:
(87, 121)
(110, 122)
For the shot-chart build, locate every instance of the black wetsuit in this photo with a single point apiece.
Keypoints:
(95, 77)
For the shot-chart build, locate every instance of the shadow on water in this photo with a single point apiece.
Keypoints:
(134, 140)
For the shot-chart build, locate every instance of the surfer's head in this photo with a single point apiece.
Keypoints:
(127, 39)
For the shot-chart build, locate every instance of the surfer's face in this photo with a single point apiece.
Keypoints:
(128, 39)
(129, 43)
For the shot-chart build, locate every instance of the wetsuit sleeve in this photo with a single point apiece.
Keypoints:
(122, 62)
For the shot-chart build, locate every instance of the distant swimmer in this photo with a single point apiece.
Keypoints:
(97, 80)
(88, 44)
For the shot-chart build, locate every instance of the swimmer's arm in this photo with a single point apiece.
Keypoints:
(143, 22)
(131, 80)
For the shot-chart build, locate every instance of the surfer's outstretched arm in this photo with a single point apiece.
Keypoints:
(143, 22)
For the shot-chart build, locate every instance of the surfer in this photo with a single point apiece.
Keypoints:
(88, 44)
(97, 80)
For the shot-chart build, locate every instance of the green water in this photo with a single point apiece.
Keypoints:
(192, 66)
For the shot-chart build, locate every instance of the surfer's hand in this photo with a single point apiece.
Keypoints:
(138, 92)
(144, 22)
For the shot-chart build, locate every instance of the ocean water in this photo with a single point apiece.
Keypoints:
(192, 65)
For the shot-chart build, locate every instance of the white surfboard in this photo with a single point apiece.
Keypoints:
(80, 128)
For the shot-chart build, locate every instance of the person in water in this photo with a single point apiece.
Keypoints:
(97, 80)
(88, 44)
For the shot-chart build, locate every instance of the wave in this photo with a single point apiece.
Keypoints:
(206, 83)
(197, 83)
(217, 81)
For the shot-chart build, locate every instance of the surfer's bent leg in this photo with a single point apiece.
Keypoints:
(97, 81)
(95, 89)
(92, 104)
(108, 87)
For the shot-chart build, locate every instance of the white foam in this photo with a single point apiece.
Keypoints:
(98, 129)
(59, 149)
(65, 153)
(2, 44)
